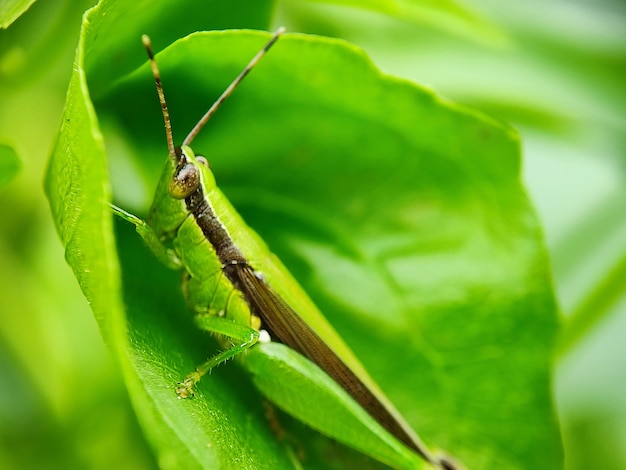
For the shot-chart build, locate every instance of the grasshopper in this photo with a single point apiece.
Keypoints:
(237, 289)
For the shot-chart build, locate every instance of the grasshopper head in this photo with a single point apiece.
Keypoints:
(190, 173)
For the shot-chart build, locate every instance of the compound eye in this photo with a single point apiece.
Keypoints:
(185, 181)
(202, 161)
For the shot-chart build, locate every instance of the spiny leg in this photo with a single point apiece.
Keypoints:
(243, 336)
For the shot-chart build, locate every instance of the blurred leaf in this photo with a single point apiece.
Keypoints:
(447, 15)
(599, 303)
(10, 10)
(401, 214)
(9, 164)
(593, 449)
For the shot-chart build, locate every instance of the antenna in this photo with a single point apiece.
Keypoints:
(223, 96)
(157, 80)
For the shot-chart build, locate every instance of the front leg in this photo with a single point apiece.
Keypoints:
(164, 254)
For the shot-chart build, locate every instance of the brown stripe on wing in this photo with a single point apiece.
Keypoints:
(286, 326)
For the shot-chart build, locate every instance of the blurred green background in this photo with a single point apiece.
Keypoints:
(555, 69)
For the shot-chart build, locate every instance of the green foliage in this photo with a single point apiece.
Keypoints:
(401, 213)
(397, 199)
(446, 15)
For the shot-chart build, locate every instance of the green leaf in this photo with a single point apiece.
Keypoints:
(402, 215)
(9, 164)
(294, 383)
(11, 10)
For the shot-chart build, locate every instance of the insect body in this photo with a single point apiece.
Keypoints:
(235, 286)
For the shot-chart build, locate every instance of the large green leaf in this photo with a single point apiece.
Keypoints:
(401, 214)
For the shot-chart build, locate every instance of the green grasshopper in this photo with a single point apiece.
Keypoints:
(238, 290)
